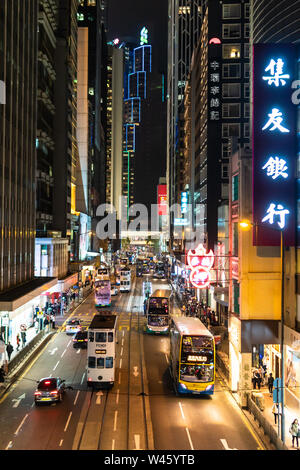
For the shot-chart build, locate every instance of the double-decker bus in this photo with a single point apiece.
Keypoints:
(125, 280)
(158, 312)
(192, 356)
(101, 351)
(102, 291)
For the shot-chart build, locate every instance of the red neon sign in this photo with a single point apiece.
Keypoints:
(200, 263)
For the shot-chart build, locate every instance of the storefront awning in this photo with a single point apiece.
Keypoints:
(20, 295)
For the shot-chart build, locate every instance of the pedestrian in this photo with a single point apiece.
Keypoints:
(37, 325)
(2, 376)
(257, 379)
(18, 341)
(23, 337)
(294, 430)
(270, 383)
(52, 320)
(276, 410)
(9, 350)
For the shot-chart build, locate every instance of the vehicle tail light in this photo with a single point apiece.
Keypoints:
(54, 392)
(37, 394)
(85, 340)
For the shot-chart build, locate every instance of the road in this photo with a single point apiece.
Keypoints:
(141, 411)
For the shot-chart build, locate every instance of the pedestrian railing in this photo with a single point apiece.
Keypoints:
(265, 424)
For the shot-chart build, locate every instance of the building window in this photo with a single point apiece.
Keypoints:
(224, 171)
(230, 130)
(231, 110)
(231, 70)
(231, 90)
(246, 51)
(247, 30)
(246, 70)
(231, 51)
(246, 110)
(246, 130)
(235, 188)
(231, 31)
(226, 150)
(246, 91)
(80, 16)
(247, 10)
(231, 11)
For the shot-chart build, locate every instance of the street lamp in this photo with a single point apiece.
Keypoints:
(246, 225)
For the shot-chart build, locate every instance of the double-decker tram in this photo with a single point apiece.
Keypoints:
(192, 356)
(125, 280)
(158, 312)
(101, 351)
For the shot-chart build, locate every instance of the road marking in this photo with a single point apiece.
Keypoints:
(53, 351)
(121, 352)
(17, 400)
(120, 363)
(119, 377)
(76, 397)
(69, 343)
(78, 351)
(67, 423)
(123, 333)
(122, 341)
(113, 445)
(98, 399)
(181, 410)
(226, 447)
(135, 371)
(9, 445)
(137, 440)
(117, 397)
(61, 441)
(22, 422)
(63, 353)
(56, 365)
(189, 437)
(115, 420)
(167, 359)
(82, 378)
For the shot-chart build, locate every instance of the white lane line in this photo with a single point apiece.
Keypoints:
(9, 445)
(120, 363)
(76, 397)
(121, 352)
(122, 341)
(119, 378)
(115, 420)
(56, 365)
(123, 333)
(63, 353)
(226, 446)
(189, 437)
(21, 424)
(82, 378)
(69, 343)
(167, 359)
(61, 441)
(78, 351)
(113, 445)
(67, 423)
(117, 397)
(182, 413)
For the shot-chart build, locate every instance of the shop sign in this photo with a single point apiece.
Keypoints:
(200, 263)
(214, 90)
(274, 144)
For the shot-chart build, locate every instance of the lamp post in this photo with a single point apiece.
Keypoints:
(246, 225)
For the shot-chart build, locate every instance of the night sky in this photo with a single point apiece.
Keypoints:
(126, 18)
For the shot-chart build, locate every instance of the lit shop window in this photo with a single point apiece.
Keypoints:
(231, 51)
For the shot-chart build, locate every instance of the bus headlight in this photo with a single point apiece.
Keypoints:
(182, 386)
(209, 387)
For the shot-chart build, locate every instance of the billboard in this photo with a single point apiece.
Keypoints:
(162, 199)
(274, 144)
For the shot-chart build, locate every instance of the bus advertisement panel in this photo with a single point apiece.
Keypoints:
(102, 293)
(158, 312)
(192, 356)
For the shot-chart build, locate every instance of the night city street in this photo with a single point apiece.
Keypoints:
(149, 202)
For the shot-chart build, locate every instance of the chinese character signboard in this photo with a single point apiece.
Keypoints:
(162, 199)
(214, 90)
(200, 263)
(274, 144)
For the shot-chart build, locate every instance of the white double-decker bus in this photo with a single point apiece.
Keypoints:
(101, 351)
(158, 311)
(125, 280)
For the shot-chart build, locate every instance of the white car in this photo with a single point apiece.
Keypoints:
(73, 326)
(113, 290)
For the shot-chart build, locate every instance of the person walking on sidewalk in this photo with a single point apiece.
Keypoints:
(294, 430)
(270, 383)
(276, 410)
(2, 375)
(9, 350)
(18, 341)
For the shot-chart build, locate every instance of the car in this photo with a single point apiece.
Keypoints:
(73, 326)
(49, 390)
(159, 275)
(113, 290)
(80, 340)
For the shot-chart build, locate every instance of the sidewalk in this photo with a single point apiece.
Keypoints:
(35, 342)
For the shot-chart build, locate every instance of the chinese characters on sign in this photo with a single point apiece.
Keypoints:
(274, 143)
(200, 262)
(214, 90)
